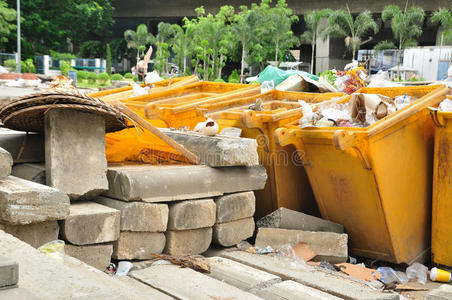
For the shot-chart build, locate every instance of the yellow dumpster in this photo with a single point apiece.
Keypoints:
(442, 189)
(177, 107)
(126, 92)
(376, 181)
(287, 184)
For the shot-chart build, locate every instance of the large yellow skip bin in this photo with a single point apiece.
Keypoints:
(442, 189)
(287, 184)
(177, 107)
(126, 92)
(376, 181)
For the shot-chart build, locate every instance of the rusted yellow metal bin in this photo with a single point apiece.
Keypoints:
(442, 189)
(287, 184)
(376, 181)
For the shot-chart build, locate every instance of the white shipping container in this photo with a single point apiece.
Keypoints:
(430, 62)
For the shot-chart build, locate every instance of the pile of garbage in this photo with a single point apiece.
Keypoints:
(362, 110)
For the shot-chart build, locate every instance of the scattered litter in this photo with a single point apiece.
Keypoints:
(247, 247)
(231, 131)
(152, 77)
(439, 275)
(446, 105)
(404, 287)
(209, 127)
(54, 249)
(359, 272)
(417, 271)
(299, 251)
(390, 276)
(111, 269)
(258, 106)
(327, 265)
(352, 260)
(123, 268)
(267, 86)
(187, 262)
(61, 82)
(138, 90)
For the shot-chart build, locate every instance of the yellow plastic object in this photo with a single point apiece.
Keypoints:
(376, 181)
(287, 185)
(442, 191)
(126, 92)
(54, 249)
(177, 107)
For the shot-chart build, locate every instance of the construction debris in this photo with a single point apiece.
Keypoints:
(186, 262)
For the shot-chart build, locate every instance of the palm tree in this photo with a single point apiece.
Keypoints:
(405, 25)
(444, 17)
(182, 41)
(138, 39)
(312, 19)
(342, 24)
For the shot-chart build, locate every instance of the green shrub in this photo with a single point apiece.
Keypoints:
(234, 77)
(116, 77)
(65, 67)
(29, 66)
(10, 64)
(135, 78)
(103, 77)
(128, 76)
(82, 75)
(92, 77)
(219, 80)
(62, 56)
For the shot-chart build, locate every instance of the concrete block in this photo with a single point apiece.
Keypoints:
(48, 278)
(90, 223)
(35, 172)
(17, 294)
(239, 275)
(191, 214)
(6, 162)
(139, 216)
(24, 202)
(236, 206)
(218, 151)
(75, 153)
(150, 292)
(328, 246)
(23, 147)
(180, 182)
(185, 283)
(36, 234)
(9, 272)
(333, 283)
(290, 219)
(97, 256)
(138, 245)
(188, 242)
(232, 233)
(443, 292)
(294, 291)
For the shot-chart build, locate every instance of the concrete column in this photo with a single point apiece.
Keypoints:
(322, 51)
(97, 65)
(46, 64)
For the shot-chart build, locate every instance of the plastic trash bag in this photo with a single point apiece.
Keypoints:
(308, 114)
(54, 249)
(267, 86)
(417, 272)
(389, 275)
(446, 105)
(152, 77)
(277, 75)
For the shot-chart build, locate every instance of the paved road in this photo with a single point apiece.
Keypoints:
(6, 92)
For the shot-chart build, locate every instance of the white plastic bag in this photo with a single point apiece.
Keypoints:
(152, 77)
(267, 86)
(308, 114)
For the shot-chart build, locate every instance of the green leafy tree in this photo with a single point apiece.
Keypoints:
(7, 17)
(279, 27)
(162, 41)
(138, 39)
(108, 59)
(405, 25)
(182, 42)
(343, 24)
(444, 17)
(61, 25)
(244, 29)
(92, 49)
(312, 19)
